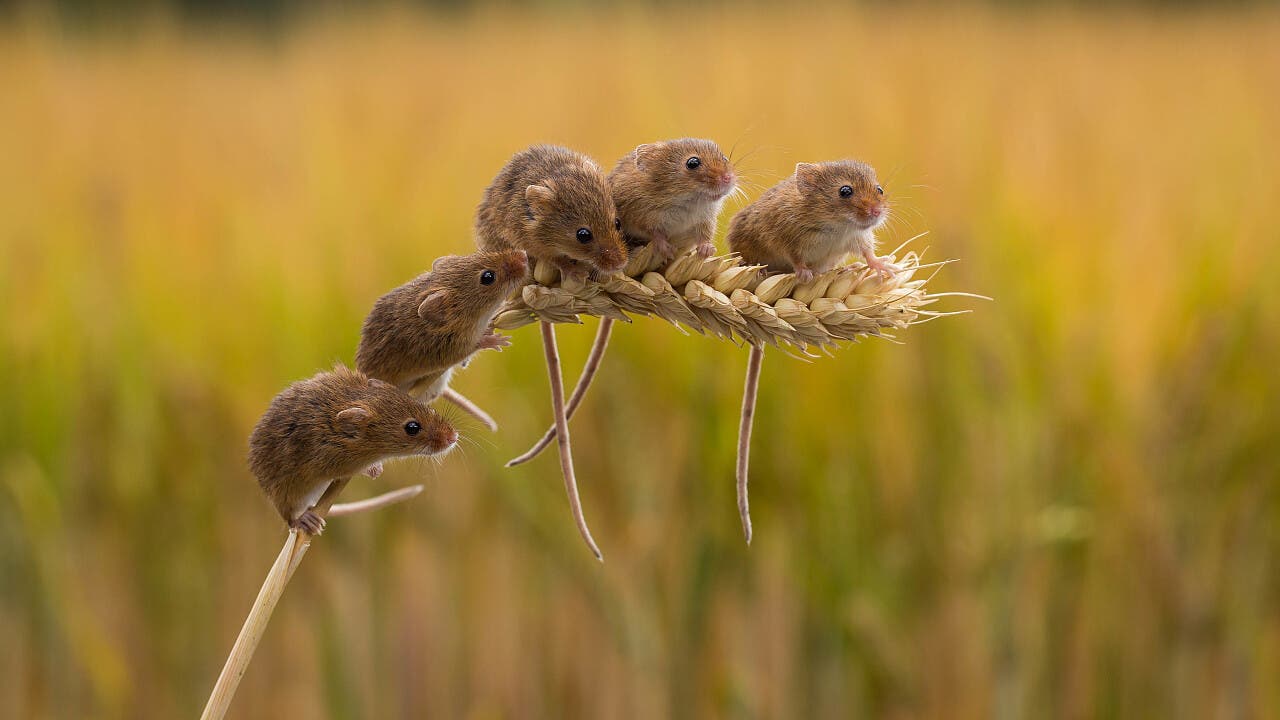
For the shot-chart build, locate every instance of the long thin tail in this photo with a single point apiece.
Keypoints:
(579, 390)
(744, 434)
(562, 435)
(470, 408)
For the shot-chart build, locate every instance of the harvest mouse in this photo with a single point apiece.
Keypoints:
(554, 204)
(810, 221)
(419, 332)
(332, 426)
(669, 194)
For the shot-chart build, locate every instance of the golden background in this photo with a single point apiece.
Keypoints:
(1066, 504)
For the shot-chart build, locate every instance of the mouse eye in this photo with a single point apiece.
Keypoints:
(584, 236)
(693, 162)
(487, 277)
(845, 191)
(412, 427)
(879, 189)
(617, 223)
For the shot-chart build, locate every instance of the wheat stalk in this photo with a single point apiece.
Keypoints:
(720, 297)
(295, 547)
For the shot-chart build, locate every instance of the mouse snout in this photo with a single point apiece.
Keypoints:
(727, 178)
(441, 437)
(612, 260)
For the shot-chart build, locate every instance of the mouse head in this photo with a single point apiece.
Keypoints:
(573, 214)
(378, 421)
(688, 166)
(846, 190)
(471, 287)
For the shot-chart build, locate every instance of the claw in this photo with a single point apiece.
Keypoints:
(310, 522)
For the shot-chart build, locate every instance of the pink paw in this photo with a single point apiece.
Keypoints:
(882, 265)
(662, 247)
(706, 250)
(803, 274)
(374, 470)
(493, 341)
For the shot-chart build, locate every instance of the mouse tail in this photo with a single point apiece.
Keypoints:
(592, 365)
(562, 436)
(754, 361)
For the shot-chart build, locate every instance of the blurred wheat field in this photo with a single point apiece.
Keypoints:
(1066, 504)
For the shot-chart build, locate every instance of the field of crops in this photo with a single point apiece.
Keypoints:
(1065, 504)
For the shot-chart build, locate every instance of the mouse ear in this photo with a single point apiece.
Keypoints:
(807, 175)
(441, 261)
(353, 419)
(434, 304)
(641, 153)
(539, 197)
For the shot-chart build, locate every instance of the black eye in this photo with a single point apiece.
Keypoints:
(845, 191)
(487, 277)
(617, 223)
(879, 189)
(412, 427)
(693, 162)
(584, 235)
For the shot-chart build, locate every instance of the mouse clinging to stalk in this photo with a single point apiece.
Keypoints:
(669, 195)
(333, 426)
(810, 221)
(417, 334)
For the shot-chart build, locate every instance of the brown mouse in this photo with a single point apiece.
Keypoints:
(419, 332)
(813, 219)
(332, 426)
(554, 204)
(669, 194)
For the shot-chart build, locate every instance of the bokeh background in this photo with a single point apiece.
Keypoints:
(1065, 504)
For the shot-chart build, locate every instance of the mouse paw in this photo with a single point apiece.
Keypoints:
(882, 265)
(706, 250)
(493, 341)
(663, 247)
(803, 273)
(374, 470)
(310, 523)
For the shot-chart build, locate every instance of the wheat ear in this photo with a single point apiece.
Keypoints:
(719, 296)
(295, 547)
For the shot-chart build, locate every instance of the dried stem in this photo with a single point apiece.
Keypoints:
(562, 436)
(579, 391)
(295, 547)
(470, 408)
(754, 361)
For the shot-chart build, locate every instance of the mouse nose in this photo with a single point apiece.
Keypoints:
(727, 179)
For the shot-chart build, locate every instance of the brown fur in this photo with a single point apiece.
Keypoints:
(661, 200)
(538, 202)
(417, 333)
(332, 426)
(802, 224)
